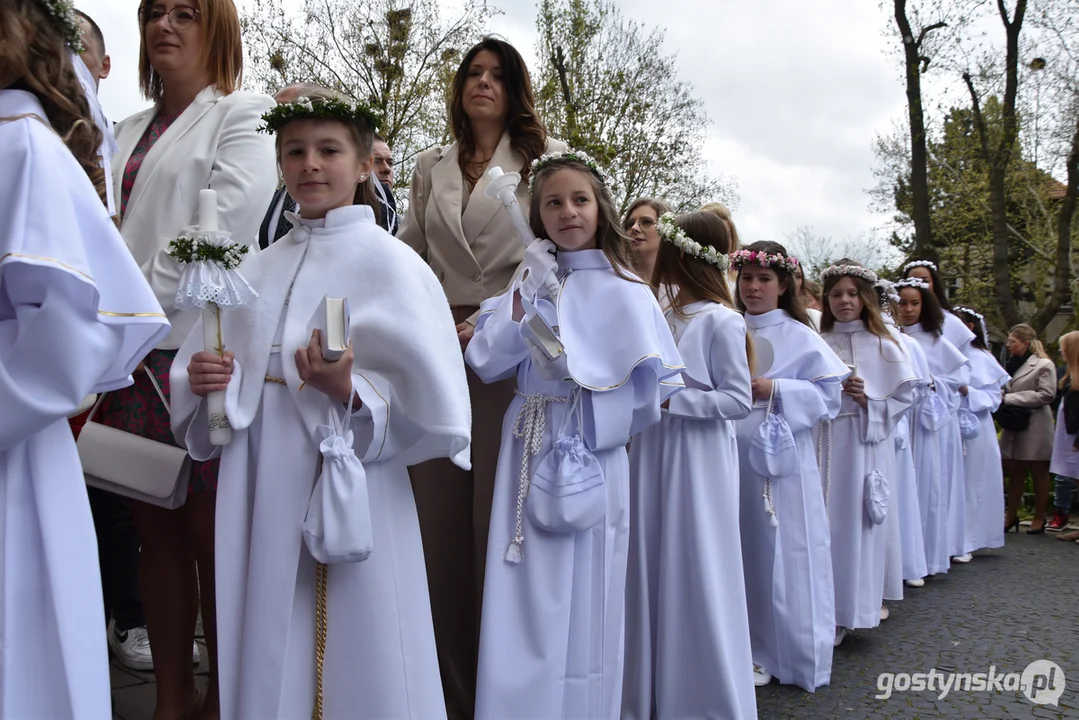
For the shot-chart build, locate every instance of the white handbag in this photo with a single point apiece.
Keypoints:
(132, 466)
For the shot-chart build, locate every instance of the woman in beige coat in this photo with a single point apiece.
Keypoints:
(471, 245)
(1033, 386)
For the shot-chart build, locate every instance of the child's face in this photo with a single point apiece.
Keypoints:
(321, 165)
(845, 301)
(569, 210)
(910, 306)
(759, 288)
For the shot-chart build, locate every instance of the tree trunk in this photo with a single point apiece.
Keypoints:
(1062, 274)
(924, 248)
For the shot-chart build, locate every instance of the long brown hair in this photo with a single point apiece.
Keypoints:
(222, 48)
(528, 136)
(702, 280)
(610, 237)
(931, 316)
(34, 56)
(789, 300)
(870, 315)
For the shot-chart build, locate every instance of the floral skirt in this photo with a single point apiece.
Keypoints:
(138, 409)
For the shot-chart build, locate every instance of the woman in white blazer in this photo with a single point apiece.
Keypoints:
(200, 133)
(471, 245)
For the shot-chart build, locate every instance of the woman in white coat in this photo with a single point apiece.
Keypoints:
(200, 133)
(76, 317)
(685, 557)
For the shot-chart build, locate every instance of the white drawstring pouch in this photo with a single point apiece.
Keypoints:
(338, 528)
(772, 450)
(876, 496)
(933, 414)
(568, 492)
(969, 427)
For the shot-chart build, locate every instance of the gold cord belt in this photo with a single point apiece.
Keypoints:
(272, 379)
(322, 573)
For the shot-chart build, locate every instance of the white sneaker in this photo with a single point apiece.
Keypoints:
(884, 613)
(761, 677)
(131, 648)
(915, 583)
(840, 635)
(965, 558)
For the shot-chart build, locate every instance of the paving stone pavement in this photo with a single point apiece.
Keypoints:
(1006, 609)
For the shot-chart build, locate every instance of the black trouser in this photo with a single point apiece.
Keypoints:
(118, 553)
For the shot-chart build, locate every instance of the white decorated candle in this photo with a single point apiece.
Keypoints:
(207, 210)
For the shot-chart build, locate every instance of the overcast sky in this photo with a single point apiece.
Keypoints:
(795, 91)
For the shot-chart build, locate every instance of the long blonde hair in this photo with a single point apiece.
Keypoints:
(1026, 333)
(1069, 349)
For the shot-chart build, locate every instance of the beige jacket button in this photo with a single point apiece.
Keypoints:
(477, 277)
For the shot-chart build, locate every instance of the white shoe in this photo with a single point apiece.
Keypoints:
(884, 613)
(761, 677)
(840, 635)
(964, 558)
(915, 583)
(131, 648)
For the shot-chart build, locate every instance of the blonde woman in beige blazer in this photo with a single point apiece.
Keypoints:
(472, 247)
(1033, 386)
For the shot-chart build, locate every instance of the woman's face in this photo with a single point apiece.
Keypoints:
(172, 31)
(641, 228)
(845, 301)
(760, 289)
(910, 306)
(484, 96)
(1017, 347)
(321, 165)
(922, 273)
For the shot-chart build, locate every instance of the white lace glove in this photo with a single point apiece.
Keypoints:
(550, 370)
(539, 263)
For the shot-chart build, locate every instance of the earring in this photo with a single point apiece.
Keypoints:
(363, 178)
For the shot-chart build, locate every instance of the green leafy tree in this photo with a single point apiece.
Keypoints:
(606, 86)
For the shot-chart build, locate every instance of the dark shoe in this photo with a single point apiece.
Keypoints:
(1058, 523)
(1013, 525)
(1036, 531)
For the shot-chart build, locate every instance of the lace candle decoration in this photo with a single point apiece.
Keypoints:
(210, 282)
(502, 186)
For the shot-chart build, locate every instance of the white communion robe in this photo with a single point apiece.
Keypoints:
(911, 532)
(380, 659)
(685, 556)
(861, 442)
(982, 465)
(551, 636)
(940, 478)
(76, 317)
(958, 334)
(788, 567)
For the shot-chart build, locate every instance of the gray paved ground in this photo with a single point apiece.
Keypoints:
(1007, 608)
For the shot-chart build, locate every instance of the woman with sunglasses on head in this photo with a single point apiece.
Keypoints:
(640, 225)
(200, 133)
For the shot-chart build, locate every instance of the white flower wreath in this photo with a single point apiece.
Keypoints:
(676, 236)
(888, 291)
(920, 263)
(575, 155)
(854, 270)
(63, 15)
(912, 283)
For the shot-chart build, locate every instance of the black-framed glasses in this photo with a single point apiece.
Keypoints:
(180, 17)
(644, 222)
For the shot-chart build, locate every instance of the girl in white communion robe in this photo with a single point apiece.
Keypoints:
(858, 446)
(402, 375)
(76, 317)
(786, 548)
(685, 555)
(936, 426)
(551, 637)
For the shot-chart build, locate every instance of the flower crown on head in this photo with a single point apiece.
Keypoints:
(974, 313)
(65, 20)
(763, 259)
(676, 236)
(887, 290)
(920, 263)
(853, 270)
(305, 108)
(912, 282)
(571, 154)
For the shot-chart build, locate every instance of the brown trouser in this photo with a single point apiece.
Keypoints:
(454, 508)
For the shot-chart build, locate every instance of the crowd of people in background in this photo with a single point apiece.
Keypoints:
(627, 466)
